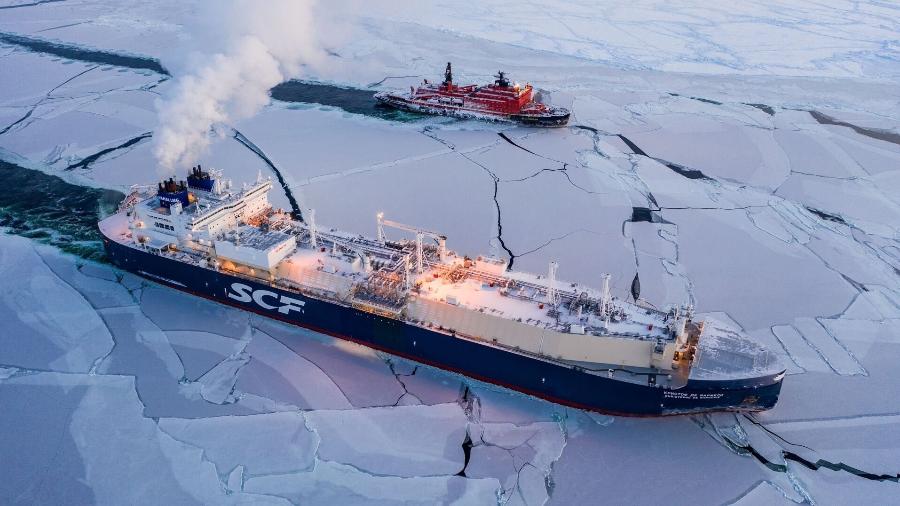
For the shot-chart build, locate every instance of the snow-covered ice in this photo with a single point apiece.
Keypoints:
(47, 324)
(270, 443)
(333, 483)
(398, 441)
(742, 158)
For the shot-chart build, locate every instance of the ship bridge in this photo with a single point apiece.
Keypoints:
(199, 211)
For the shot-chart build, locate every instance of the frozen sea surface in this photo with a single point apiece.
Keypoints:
(742, 158)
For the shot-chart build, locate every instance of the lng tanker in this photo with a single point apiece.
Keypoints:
(501, 100)
(413, 297)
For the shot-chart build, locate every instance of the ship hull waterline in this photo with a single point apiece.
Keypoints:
(554, 382)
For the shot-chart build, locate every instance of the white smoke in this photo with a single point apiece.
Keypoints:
(245, 48)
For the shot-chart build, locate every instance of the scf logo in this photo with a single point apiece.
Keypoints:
(283, 304)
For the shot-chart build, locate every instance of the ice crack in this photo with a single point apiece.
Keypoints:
(496, 179)
(46, 96)
(88, 160)
(372, 85)
(32, 4)
(295, 207)
(397, 376)
(745, 448)
(875, 133)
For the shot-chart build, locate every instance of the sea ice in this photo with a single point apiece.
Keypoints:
(103, 418)
(143, 350)
(200, 351)
(358, 372)
(277, 373)
(331, 482)
(399, 441)
(601, 461)
(270, 443)
(789, 233)
(48, 325)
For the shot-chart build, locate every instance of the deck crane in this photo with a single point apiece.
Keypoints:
(420, 235)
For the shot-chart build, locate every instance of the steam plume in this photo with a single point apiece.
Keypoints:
(245, 48)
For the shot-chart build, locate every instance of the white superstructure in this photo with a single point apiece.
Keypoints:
(220, 221)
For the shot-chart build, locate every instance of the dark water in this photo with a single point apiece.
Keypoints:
(814, 466)
(52, 211)
(875, 133)
(634, 147)
(83, 54)
(826, 216)
(699, 99)
(641, 215)
(352, 100)
(763, 107)
(86, 162)
(296, 212)
(685, 171)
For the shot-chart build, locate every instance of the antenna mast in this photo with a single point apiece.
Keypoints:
(604, 302)
(420, 256)
(311, 223)
(448, 76)
(552, 294)
(380, 227)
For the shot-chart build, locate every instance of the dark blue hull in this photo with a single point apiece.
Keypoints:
(552, 381)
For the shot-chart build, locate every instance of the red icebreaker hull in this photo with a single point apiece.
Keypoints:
(498, 101)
